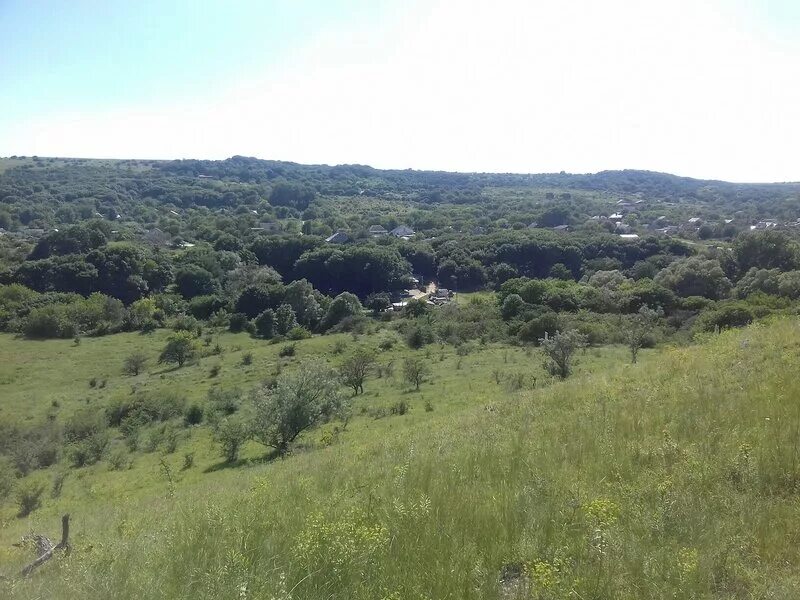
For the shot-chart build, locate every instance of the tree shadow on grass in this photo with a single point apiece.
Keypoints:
(270, 456)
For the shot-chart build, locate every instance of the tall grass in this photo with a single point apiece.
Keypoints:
(679, 478)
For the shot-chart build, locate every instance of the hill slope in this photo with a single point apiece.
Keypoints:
(673, 479)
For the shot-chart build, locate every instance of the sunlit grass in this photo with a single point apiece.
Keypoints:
(674, 478)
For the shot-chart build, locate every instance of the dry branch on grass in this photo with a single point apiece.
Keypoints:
(45, 549)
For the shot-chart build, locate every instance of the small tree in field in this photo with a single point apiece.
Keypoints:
(180, 349)
(299, 401)
(415, 371)
(639, 328)
(231, 433)
(355, 369)
(134, 363)
(559, 351)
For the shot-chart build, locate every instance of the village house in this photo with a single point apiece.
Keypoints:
(156, 237)
(403, 231)
(340, 237)
(377, 231)
(269, 226)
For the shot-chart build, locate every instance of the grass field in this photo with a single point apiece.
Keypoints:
(674, 478)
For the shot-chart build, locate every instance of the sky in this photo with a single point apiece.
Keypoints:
(701, 88)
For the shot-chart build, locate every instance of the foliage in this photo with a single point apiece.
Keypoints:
(356, 368)
(8, 477)
(134, 363)
(344, 305)
(180, 349)
(298, 401)
(231, 433)
(695, 277)
(29, 495)
(415, 371)
(559, 350)
(639, 328)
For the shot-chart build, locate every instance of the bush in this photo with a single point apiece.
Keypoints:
(118, 459)
(298, 333)
(415, 371)
(188, 461)
(8, 477)
(735, 314)
(185, 323)
(29, 495)
(224, 402)
(83, 424)
(417, 336)
(180, 349)
(399, 408)
(231, 433)
(287, 350)
(144, 408)
(239, 322)
(58, 482)
(247, 358)
(134, 363)
(387, 342)
(193, 415)
(90, 450)
(265, 324)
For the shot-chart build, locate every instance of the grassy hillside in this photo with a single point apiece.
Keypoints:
(675, 478)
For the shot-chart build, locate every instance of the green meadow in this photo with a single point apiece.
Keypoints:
(676, 477)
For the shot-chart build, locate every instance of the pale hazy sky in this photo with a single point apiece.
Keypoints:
(704, 88)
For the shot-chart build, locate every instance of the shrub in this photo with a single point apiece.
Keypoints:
(298, 333)
(415, 370)
(118, 459)
(58, 482)
(417, 336)
(247, 358)
(299, 401)
(188, 461)
(387, 342)
(355, 369)
(224, 402)
(339, 347)
(399, 408)
(214, 370)
(83, 424)
(265, 324)
(193, 415)
(134, 363)
(238, 323)
(735, 314)
(8, 477)
(287, 350)
(185, 323)
(180, 349)
(144, 408)
(90, 450)
(171, 437)
(231, 433)
(29, 495)
(559, 350)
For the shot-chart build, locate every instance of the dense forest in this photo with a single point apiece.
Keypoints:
(91, 246)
